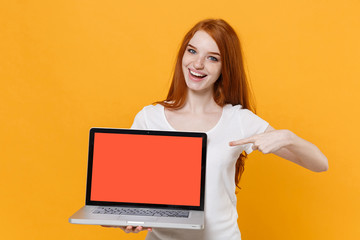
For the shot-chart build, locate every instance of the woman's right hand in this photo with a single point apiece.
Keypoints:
(131, 229)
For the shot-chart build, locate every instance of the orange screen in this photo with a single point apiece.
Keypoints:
(146, 169)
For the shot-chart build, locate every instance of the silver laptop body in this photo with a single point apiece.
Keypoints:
(145, 178)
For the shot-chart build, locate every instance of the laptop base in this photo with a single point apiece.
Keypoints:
(85, 216)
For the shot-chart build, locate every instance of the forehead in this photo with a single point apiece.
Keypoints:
(203, 41)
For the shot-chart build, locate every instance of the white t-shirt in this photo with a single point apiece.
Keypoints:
(220, 199)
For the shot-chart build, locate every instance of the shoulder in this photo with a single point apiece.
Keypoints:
(237, 110)
(148, 116)
(151, 109)
(249, 122)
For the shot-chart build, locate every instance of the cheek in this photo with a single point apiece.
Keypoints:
(185, 60)
(184, 67)
(217, 71)
(184, 64)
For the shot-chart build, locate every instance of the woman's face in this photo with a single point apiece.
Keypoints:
(201, 62)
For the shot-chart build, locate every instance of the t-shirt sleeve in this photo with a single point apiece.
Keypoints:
(251, 125)
(140, 121)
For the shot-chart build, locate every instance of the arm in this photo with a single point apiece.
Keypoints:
(288, 145)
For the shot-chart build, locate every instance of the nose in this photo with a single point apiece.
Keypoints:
(199, 62)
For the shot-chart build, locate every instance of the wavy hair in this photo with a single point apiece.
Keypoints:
(232, 87)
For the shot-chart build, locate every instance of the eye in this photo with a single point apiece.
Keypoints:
(192, 51)
(213, 59)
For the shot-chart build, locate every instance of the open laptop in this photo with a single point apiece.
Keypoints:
(145, 178)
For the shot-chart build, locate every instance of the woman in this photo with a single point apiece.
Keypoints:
(209, 93)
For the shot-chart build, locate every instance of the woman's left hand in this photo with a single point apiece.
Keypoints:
(267, 142)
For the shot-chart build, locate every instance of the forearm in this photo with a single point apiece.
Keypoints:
(303, 153)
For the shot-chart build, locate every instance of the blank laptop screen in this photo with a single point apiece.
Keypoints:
(147, 169)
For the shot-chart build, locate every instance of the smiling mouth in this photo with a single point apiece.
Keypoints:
(197, 75)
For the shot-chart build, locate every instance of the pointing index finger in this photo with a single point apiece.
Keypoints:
(242, 141)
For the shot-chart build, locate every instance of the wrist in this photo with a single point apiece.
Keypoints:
(290, 138)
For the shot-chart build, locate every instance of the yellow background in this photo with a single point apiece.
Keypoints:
(66, 66)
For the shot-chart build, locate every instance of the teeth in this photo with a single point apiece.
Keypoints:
(197, 74)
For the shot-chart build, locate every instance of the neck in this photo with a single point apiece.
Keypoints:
(199, 102)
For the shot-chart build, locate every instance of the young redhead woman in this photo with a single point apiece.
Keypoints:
(210, 93)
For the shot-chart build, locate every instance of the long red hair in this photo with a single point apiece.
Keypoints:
(232, 87)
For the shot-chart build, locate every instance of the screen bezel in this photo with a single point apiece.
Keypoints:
(145, 132)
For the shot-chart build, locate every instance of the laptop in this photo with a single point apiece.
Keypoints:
(145, 178)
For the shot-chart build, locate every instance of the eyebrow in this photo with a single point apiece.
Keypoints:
(209, 52)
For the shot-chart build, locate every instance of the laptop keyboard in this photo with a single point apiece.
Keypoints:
(141, 212)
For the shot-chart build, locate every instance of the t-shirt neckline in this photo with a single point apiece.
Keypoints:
(207, 132)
